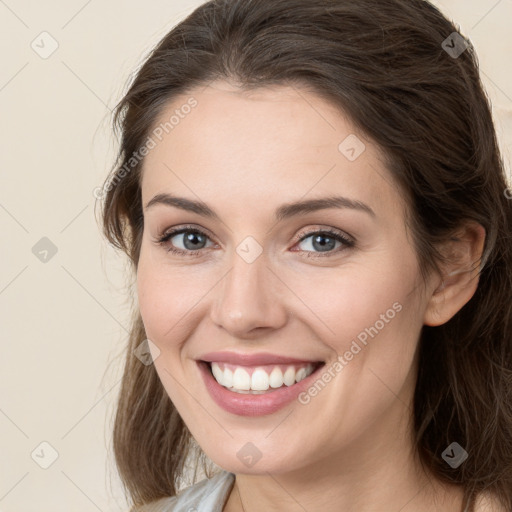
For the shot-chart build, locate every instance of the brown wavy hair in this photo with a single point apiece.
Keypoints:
(383, 63)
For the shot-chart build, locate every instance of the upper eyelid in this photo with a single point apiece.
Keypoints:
(172, 232)
(309, 232)
(303, 232)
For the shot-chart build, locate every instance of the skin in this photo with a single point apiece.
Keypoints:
(245, 154)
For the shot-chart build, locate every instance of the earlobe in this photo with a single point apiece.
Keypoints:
(460, 275)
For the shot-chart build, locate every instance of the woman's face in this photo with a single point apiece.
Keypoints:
(266, 278)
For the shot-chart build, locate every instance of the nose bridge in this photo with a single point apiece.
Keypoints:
(247, 296)
(246, 277)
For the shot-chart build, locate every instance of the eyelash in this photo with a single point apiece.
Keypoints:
(165, 237)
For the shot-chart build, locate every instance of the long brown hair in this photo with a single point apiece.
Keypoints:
(411, 85)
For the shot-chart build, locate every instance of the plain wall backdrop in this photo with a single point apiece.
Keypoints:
(63, 296)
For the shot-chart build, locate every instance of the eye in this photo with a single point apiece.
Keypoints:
(191, 239)
(324, 242)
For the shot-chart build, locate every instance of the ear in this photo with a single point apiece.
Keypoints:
(459, 281)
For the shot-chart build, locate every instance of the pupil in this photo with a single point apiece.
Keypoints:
(323, 246)
(192, 237)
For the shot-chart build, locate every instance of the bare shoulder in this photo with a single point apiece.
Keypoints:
(487, 502)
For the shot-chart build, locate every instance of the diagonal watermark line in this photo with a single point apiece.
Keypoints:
(13, 279)
(291, 496)
(486, 14)
(227, 227)
(14, 423)
(94, 298)
(319, 180)
(406, 405)
(76, 14)
(81, 419)
(239, 495)
(413, 498)
(13, 77)
(13, 218)
(298, 92)
(496, 85)
(304, 195)
(301, 301)
(190, 309)
(74, 218)
(383, 175)
(199, 403)
(85, 494)
(281, 422)
(14, 486)
(13, 13)
(86, 85)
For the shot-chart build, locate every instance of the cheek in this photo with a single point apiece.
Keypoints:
(170, 299)
(163, 306)
(161, 299)
(376, 323)
(356, 297)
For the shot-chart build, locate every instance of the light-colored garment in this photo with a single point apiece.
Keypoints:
(208, 495)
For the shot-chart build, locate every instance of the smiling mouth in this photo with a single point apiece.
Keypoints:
(262, 378)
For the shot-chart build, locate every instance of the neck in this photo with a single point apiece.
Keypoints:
(377, 471)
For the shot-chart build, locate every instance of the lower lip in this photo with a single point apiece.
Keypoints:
(253, 405)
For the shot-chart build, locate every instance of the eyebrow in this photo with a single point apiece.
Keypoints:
(285, 211)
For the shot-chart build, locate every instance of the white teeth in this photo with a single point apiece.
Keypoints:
(228, 378)
(241, 379)
(218, 373)
(289, 376)
(301, 374)
(260, 381)
(276, 378)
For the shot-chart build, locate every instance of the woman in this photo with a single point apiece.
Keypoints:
(313, 200)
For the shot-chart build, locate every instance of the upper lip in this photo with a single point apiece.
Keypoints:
(260, 358)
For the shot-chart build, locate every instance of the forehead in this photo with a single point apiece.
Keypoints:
(280, 142)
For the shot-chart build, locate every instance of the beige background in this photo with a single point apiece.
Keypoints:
(64, 320)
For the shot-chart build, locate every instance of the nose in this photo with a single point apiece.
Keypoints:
(249, 299)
